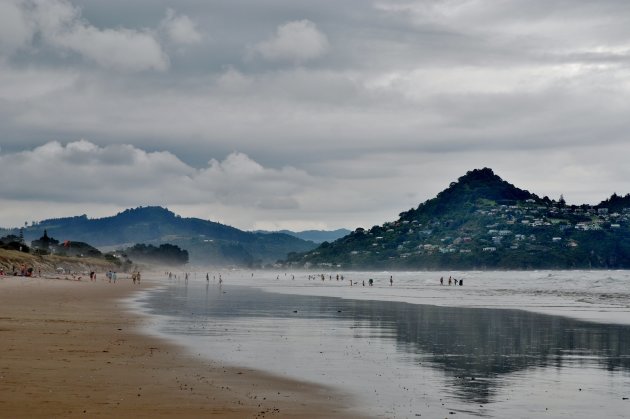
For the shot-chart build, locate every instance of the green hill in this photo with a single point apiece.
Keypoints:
(483, 222)
(207, 242)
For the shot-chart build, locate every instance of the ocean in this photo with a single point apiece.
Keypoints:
(503, 344)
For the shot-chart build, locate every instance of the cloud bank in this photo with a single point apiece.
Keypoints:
(336, 114)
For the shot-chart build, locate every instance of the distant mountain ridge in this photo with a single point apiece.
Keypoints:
(316, 236)
(483, 222)
(208, 242)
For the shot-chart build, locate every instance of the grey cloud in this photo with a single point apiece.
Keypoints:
(180, 29)
(15, 29)
(60, 25)
(296, 41)
(399, 97)
(276, 203)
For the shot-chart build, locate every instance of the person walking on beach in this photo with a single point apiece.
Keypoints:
(207, 277)
(441, 280)
(391, 280)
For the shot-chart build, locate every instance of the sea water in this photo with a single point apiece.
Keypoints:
(503, 344)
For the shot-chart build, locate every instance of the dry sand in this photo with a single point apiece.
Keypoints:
(71, 349)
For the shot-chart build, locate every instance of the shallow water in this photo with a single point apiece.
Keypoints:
(401, 357)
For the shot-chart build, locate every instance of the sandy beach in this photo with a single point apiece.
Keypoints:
(71, 349)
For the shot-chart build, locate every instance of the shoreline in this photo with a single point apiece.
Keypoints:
(426, 290)
(74, 349)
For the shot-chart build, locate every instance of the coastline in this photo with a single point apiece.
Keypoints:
(73, 349)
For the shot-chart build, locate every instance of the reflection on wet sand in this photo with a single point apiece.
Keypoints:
(475, 348)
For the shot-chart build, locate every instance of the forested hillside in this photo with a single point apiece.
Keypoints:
(483, 222)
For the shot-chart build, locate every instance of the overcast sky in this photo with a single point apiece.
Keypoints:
(270, 114)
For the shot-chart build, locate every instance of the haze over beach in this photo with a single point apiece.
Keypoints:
(301, 115)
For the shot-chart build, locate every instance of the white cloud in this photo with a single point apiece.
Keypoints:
(120, 49)
(83, 172)
(240, 180)
(297, 41)
(180, 29)
(61, 26)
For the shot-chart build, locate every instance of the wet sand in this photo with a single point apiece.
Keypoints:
(71, 349)
(405, 360)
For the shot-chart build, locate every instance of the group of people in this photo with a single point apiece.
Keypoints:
(172, 276)
(452, 280)
(341, 278)
(322, 277)
(111, 276)
(26, 271)
(23, 270)
(135, 277)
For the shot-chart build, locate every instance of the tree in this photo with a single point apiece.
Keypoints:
(561, 202)
(166, 253)
(44, 242)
